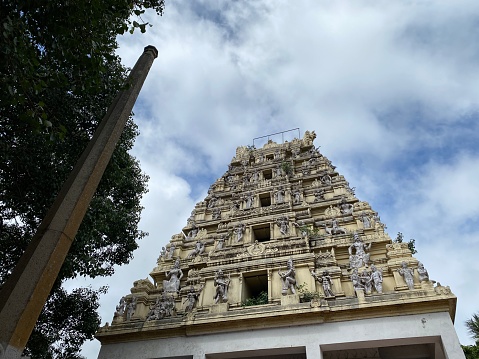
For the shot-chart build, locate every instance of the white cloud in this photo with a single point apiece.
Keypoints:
(389, 87)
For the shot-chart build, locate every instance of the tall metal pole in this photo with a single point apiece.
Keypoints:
(26, 290)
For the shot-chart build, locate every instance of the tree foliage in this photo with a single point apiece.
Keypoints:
(472, 351)
(411, 244)
(260, 299)
(58, 75)
(473, 326)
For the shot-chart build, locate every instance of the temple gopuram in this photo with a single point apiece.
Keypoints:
(282, 260)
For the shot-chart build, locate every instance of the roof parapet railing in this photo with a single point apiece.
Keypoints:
(277, 133)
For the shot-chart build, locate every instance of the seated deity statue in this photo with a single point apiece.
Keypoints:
(318, 195)
(198, 250)
(326, 179)
(213, 201)
(423, 274)
(346, 208)
(356, 280)
(174, 275)
(334, 229)
(163, 307)
(220, 243)
(192, 234)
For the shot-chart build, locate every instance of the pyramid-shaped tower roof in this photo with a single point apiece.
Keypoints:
(280, 240)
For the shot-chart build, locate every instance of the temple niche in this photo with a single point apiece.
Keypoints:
(281, 234)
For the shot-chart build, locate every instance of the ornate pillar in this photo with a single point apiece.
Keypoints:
(270, 285)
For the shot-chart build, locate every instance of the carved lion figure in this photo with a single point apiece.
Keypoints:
(308, 138)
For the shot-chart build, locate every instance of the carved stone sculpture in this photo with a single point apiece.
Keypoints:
(163, 307)
(366, 220)
(256, 248)
(283, 224)
(221, 242)
(278, 171)
(191, 219)
(318, 195)
(303, 229)
(295, 151)
(326, 282)
(289, 278)
(334, 229)
(308, 138)
(423, 274)
(408, 275)
(192, 234)
(246, 178)
(198, 250)
(346, 208)
(191, 298)
(221, 283)
(305, 168)
(356, 280)
(326, 179)
(120, 308)
(316, 183)
(130, 308)
(162, 255)
(366, 281)
(248, 200)
(296, 196)
(239, 231)
(255, 176)
(171, 250)
(360, 257)
(377, 279)
(235, 206)
(327, 285)
(213, 201)
(174, 275)
(279, 195)
(229, 179)
(216, 214)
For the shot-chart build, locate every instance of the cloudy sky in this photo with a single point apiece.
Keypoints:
(390, 87)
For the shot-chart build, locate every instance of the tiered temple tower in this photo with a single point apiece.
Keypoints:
(282, 260)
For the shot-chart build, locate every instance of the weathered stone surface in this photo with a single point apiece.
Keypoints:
(289, 227)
